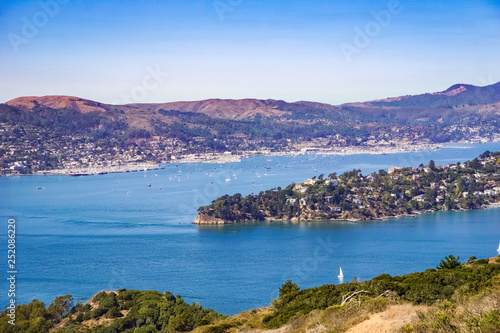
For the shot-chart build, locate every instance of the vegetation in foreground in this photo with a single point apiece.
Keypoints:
(454, 297)
(397, 192)
(107, 312)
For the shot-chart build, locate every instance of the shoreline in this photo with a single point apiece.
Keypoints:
(344, 151)
(92, 171)
(385, 218)
(222, 158)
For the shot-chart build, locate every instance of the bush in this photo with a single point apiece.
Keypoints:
(490, 323)
(146, 329)
(86, 307)
(113, 313)
(98, 312)
(79, 318)
(181, 323)
(222, 328)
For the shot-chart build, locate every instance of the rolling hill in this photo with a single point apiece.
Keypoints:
(108, 132)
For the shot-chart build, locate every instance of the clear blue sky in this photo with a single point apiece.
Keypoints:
(292, 50)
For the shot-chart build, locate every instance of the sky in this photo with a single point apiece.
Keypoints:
(320, 50)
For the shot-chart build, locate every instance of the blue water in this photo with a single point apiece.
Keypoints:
(80, 235)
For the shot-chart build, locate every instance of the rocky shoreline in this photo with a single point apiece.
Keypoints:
(205, 219)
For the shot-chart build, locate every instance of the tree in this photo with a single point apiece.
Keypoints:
(449, 262)
(183, 322)
(471, 260)
(288, 287)
(60, 306)
(485, 155)
(432, 164)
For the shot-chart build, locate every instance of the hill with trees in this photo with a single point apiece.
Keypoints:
(55, 132)
(354, 196)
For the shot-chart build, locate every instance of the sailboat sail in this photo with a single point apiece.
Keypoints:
(498, 248)
(341, 275)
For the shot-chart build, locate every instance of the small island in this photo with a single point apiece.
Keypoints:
(352, 196)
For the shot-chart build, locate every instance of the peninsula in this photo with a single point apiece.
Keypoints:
(355, 197)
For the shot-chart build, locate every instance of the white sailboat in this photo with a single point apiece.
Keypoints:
(341, 275)
(498, 247)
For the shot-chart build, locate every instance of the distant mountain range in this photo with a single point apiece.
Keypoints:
(457, 96)
(461, 112)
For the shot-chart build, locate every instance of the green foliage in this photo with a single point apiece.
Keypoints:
(490, 322)
(481, 262)
(60, 307)
(113, 313)
(355, 196)
(148, 312)
(288, 288)
(222, 328)
(32, 318)
(184, 322)
(429, 287)
(450, 262)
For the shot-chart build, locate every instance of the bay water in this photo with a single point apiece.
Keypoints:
(80, 235)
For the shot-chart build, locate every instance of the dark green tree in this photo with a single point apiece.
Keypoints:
(60, 306)
(449, 262)
(288, 287)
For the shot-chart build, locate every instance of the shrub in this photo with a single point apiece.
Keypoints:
(450, 262)
(222, 328)
(86, 307)
(113, 313)
(490, 323)
(79, 318)
(288, 288)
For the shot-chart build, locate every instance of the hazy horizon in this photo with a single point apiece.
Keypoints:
(333, 52)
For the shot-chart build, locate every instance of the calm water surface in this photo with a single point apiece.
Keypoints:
(80, 235)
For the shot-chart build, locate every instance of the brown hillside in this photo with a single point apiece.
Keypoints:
(223, 108)
(59, 102)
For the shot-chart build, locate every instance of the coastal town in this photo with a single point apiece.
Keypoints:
(352, 196)
(28, 151)
(69, 135)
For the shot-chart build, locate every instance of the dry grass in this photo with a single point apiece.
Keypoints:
(390, 320)
(248, 322)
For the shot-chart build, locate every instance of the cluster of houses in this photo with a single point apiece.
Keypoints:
(442, 189)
